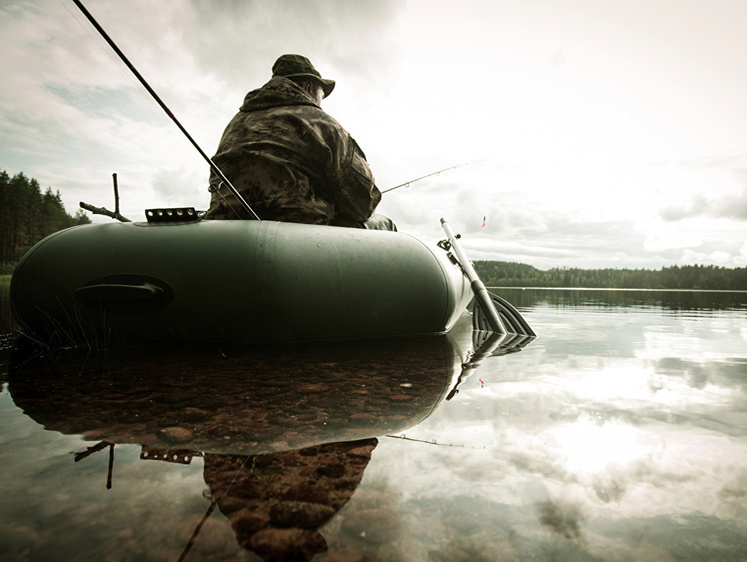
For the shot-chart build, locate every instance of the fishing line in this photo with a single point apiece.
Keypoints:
(407, 183)
(432, 442)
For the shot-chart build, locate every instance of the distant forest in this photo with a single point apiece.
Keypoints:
(27, 215)
(703, 277)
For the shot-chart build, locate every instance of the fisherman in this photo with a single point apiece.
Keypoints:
(290, 160)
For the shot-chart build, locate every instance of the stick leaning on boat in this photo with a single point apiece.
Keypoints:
(491, 313)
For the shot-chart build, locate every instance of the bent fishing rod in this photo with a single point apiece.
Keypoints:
(160, 102)
(407, 183)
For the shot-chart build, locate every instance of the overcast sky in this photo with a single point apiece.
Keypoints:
(609, 133)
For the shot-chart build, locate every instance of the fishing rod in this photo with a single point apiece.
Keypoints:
(407, 183)
(155, 96)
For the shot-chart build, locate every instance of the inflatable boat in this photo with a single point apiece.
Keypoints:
(179, 278)
(235, 282)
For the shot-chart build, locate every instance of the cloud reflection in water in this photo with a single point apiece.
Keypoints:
(621, 432)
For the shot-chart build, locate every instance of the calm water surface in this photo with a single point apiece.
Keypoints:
(620, 433)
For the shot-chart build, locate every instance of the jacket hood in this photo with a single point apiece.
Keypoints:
(279, 91)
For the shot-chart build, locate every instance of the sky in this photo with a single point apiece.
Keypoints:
(592, 133)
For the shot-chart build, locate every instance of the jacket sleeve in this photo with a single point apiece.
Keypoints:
(350, 180)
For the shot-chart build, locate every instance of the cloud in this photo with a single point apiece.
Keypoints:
(179, 187)
(731, 206)
(697, 206)
(718, 188)
(558, 58)
(336, 35)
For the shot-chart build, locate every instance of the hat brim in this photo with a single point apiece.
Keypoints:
(327, 85)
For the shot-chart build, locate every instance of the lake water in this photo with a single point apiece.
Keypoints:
(620, 433)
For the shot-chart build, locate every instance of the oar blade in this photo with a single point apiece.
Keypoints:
(512, 318)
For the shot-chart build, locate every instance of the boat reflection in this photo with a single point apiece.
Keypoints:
(237, 400)
(284, 433)
(276, 502)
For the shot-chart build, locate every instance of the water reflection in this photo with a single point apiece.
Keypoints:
(7, 325)
(619, 434)
(618, 298)
(239, 401)
(615, 436)
(276, 502)
(284, 433)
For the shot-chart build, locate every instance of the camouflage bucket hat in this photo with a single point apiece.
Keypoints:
(296, 66)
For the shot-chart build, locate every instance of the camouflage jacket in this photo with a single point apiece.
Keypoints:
(292, 162)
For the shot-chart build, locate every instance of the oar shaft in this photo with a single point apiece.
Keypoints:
(478, 288)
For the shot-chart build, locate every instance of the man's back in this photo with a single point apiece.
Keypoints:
(292, 162)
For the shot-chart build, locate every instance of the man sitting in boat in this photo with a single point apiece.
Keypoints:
(290, 160)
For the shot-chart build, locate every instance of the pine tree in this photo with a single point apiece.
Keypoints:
(27, 215)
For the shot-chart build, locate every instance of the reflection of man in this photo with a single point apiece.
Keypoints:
(290, 160)
(277, 502)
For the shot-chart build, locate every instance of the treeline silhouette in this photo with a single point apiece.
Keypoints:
(27, 215)
(512, 274)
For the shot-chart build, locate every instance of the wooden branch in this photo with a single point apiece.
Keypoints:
(103, 211)
(116, 196)
(91, 450)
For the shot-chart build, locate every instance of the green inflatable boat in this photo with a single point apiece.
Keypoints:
(234, 282)
(178, 278)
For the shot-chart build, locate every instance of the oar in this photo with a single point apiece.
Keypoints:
(492, 313)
